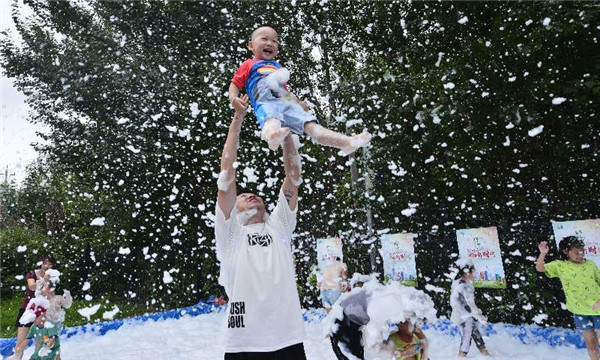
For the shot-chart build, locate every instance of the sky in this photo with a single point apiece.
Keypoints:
(16, 133)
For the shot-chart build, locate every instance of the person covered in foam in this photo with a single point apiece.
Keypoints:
(45, 335)
(277, 110)
(332, 282)
(48, 287)
(363, 323)
(256, 266)
(465, 312)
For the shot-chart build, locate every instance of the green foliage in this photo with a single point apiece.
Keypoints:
(14, 242)
(10, 309)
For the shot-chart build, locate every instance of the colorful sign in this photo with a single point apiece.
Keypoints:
(328, 250)
(398, 252)
(586, 230)
(482, 247)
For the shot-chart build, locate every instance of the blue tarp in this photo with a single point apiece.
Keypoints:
(527, 334)
(203, 307)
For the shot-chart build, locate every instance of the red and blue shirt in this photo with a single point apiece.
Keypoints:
(250, 72)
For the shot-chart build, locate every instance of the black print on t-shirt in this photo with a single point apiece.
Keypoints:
(236, 315)
(258, 239)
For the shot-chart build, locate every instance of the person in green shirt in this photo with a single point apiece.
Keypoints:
(410, 343)
(47, 342)
(580, 279)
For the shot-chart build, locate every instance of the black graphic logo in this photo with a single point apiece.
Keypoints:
(258, 239)
(236, 315)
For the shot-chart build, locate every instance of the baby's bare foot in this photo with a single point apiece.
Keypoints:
(276, 137)
(357, 141)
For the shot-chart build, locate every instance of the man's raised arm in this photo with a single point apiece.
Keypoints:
(293, 172)
(226, 183)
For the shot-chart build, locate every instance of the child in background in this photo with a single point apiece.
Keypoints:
(580, 279)
(464, 311)
(55, 315)
(47, 343)
(277, 110)
(332, 282)
(410, 342)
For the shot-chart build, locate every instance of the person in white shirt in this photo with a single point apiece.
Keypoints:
(254, 250)
(465, 312)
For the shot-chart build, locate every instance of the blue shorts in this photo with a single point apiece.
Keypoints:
(329, 297)
(587, 322)
(279, 105)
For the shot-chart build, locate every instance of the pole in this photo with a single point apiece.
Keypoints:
(368, 176)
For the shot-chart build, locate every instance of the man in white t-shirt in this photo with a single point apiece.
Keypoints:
(264, 319)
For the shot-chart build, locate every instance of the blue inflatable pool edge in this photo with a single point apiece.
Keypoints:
(527, 334)
(201, 308)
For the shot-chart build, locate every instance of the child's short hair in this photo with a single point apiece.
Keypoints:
(263, 25)
(569, 242)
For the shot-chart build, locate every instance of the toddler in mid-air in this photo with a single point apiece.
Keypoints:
(278, 110)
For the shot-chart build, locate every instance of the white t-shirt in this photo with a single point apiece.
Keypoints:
(258, 275)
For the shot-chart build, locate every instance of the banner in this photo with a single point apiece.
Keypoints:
(586, 230)
(398, 253)
(482, 247)
(328, 250)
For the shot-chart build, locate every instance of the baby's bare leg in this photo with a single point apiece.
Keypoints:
(274, 133)
(326, 137)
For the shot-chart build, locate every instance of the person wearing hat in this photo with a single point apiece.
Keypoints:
(580, 279)
(45, 336)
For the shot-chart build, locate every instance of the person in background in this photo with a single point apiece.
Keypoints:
(46, 262)
(46, 339)
(410, 342)
(346, 341)
(580, 279)
(465, 312)
(48, 287)
(333, 281)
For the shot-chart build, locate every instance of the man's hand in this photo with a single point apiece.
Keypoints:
(596, 306)
(240, 104)
(543, 246)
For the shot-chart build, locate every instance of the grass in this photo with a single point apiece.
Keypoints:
(9, 308)
(489, 284)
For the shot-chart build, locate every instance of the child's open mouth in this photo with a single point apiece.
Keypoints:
(268, 51)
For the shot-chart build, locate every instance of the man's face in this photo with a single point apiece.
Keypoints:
(265, 43)
(247, 201)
